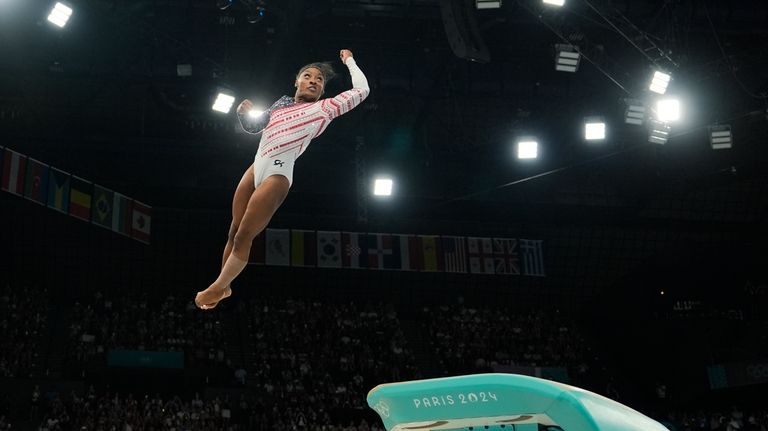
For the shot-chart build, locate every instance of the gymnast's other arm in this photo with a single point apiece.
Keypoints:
(250, 124)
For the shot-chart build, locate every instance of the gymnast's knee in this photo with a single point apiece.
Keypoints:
(232, 232)
(242, 240)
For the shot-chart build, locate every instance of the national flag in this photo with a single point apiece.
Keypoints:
(454, 253)
(103, 200)
(480, 255)
(14, 168)
(303, 248)
(505, 256)
(258, 249)
(141, 222)
(58, 190)
(328, 249)
(409, 248)
(278, 248)
(432, 252)
(533, 257)
(379, 245)
(386, 251)
(121, 213)
(354, 250)
(80, 195)
(37, 181)
(416, 253)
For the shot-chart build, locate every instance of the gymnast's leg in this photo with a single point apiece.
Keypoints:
(240, 202)
(262, 204)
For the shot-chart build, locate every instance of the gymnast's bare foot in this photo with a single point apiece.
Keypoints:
(210, 297)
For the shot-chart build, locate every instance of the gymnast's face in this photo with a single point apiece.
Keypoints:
(309, 85)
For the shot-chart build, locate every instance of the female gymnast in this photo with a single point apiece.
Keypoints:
(286, 130)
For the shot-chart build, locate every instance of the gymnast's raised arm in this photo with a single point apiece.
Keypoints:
(344, 102)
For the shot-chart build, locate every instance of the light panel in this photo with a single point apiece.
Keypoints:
(487, 4)
(635, 113)
(660, 82)
(567, 59)
(668, 110)
(60, 14)
(659, 133)
(720, 137)
(527, 149)
(382, 187)
(223, 102)
(594, 130)
(255, 112)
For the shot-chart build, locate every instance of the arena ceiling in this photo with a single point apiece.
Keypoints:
(102, 98)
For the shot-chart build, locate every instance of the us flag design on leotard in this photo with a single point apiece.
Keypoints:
(290, 129)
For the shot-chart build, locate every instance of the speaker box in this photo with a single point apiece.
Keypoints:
(461, 30)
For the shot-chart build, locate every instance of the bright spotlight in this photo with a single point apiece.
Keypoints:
(660, 82)
(555, 2)
(668, 110)
(60, 14)
(382, 187)
(567, 59)
(594, 129)
(255, 112)
(720, 137)
(527, 149)
(223, 102)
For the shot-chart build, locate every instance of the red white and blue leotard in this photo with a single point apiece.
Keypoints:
(288, 127)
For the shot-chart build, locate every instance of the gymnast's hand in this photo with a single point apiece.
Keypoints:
(245, 106)
(345, 54)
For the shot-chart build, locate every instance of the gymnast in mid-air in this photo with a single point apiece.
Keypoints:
(286, 128)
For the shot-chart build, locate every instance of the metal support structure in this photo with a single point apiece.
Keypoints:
(636, 37)
(593, 52)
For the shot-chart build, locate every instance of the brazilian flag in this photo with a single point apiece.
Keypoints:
(103, 199)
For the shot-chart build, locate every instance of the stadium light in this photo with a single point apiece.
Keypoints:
(567, 59)
(668, 110)
(223, 102)
(720, 137)
(635, 113)
(659, 132)
(660, 82)
(60, 14)
(594, 129)
(487, 4)
(527, 148)
(555, 2)
(255, 112)
(382, 187)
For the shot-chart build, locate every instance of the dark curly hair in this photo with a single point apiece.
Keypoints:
(325, 68)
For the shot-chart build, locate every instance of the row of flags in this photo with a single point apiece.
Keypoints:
(75, 196)
(399, 252)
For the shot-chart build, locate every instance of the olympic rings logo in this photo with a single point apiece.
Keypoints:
(382, 408)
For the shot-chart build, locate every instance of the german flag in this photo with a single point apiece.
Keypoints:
(80, 196)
